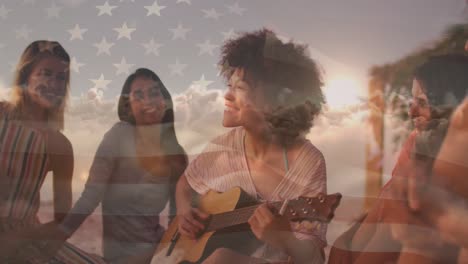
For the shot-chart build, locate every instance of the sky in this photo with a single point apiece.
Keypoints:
(180, 41)
(346, 38)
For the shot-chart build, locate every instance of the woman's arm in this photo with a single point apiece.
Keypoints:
(190, 219)
(184, 195)
(98, 179)
(179, 165)
(60, 153)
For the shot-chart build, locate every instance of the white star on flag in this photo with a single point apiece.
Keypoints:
(100, 83)
(236, 9)
(206, 48)
(203, 83)
(4, 12)
(178, 39)
(103, 46)
(229, 34)
(212, 13)
(23, 32)
(177, 68)
(124, 31)
(123, 67)
(76, 32)
(105, 9)
(179, 32)
(75, 65)
(53, 11)
(152, 47)
(184, 1)
(155, 8)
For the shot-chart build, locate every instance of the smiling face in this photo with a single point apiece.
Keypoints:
(47, 84)
(146, 101)
(419, 111)
(243, 104)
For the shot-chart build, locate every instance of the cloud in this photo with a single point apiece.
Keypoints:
(198, 114)
(340, 134)
(87, 119)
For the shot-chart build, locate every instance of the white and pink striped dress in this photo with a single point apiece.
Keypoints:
(24, 164)
(222, 166)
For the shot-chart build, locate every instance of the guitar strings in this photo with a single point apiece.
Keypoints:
(231, 218)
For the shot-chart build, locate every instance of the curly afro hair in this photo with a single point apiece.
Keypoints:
(290, 80)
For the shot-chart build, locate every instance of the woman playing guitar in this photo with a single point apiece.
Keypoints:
(274, 93)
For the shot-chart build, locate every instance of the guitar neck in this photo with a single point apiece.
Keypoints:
(235, 217)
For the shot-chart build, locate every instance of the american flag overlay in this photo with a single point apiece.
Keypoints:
(180, 41)
(108, 39)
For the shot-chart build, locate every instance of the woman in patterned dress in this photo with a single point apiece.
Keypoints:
(274, 94)
(31, 145)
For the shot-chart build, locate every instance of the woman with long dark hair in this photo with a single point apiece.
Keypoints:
(134, 172)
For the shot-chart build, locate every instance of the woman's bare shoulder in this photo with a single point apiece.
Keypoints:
(5, 108)
(58, 143)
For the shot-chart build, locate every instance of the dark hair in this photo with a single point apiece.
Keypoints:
(444, 80)
(290, 79)
(175, 153)
(168, 135)
(124, 110)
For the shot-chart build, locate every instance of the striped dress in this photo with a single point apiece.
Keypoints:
(24, 163)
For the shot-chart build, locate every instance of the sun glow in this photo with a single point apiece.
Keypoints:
(341, 92)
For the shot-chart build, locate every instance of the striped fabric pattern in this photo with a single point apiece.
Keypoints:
(222, 166)
(23, 167)
(24, 163)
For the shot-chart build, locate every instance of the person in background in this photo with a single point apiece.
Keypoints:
(439, 85)
(436, 197)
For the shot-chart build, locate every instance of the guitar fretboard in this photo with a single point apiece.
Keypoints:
(236, 217)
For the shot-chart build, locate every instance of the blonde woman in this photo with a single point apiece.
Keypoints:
(31, 145)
